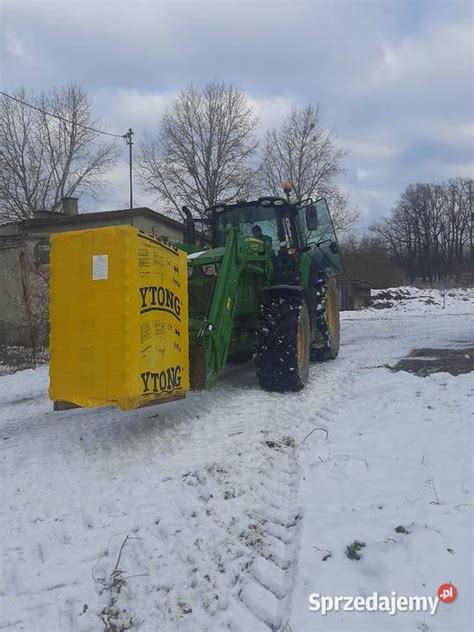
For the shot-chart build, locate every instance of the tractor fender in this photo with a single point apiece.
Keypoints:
(309, 293)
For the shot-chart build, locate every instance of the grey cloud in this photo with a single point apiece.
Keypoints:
(394, 78)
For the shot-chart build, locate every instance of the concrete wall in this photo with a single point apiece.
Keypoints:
(12, 309)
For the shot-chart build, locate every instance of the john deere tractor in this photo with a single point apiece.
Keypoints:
(265, 288)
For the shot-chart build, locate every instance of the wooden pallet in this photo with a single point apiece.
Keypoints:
(59, 405)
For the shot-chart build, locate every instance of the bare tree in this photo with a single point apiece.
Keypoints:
(429, 230)
(202, 150)
(368, 257)
(44, 158)
(304, 153)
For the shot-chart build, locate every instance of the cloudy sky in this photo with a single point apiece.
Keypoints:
(393, 79)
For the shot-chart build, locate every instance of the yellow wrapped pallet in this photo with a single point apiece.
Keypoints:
(119, 319)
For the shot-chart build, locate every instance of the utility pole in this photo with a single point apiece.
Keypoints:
(128, 140)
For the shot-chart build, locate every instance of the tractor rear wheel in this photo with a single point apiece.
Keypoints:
(328, 322)
(283, 343)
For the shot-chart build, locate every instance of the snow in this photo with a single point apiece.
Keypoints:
(195, 255)
(417, 302)
(219, 512)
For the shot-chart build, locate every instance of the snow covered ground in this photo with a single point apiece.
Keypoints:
(227, 510)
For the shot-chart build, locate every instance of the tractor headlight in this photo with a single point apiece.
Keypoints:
(209, 270)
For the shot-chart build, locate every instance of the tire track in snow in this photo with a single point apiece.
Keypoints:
(263, 601)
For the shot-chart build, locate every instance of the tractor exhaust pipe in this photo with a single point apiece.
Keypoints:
(189, 227)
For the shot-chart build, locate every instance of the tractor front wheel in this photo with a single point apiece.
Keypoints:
(283, 343)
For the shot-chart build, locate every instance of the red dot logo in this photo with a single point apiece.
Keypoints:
(447, 593)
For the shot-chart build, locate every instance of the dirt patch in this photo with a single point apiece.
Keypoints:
(284, 442)
(385, 299)
(423, 362)
(383, 305)
(353, 550)
(392, 295)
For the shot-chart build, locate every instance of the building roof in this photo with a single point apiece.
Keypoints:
(60, 218)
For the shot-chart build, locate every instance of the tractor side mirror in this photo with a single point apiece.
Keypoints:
(311, 217)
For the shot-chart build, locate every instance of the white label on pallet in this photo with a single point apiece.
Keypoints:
(100, 267)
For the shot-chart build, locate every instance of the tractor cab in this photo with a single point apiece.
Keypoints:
(288, 230)
(266, 219)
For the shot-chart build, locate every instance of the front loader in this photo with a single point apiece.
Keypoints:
(136, 321)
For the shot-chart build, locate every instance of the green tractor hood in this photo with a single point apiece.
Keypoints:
(205, 257)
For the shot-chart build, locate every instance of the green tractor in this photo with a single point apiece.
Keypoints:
(266, 288)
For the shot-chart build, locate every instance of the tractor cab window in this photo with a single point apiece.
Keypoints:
(322, 240)
(266, 230)
(251, 221)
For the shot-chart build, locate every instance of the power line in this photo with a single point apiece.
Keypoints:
(61, 118)
(127, 137)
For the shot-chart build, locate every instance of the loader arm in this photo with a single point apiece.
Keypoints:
(218, 330)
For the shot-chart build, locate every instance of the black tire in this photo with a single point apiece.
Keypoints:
(328, 321)
(283, 343)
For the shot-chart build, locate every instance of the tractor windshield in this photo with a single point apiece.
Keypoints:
(252, 221)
